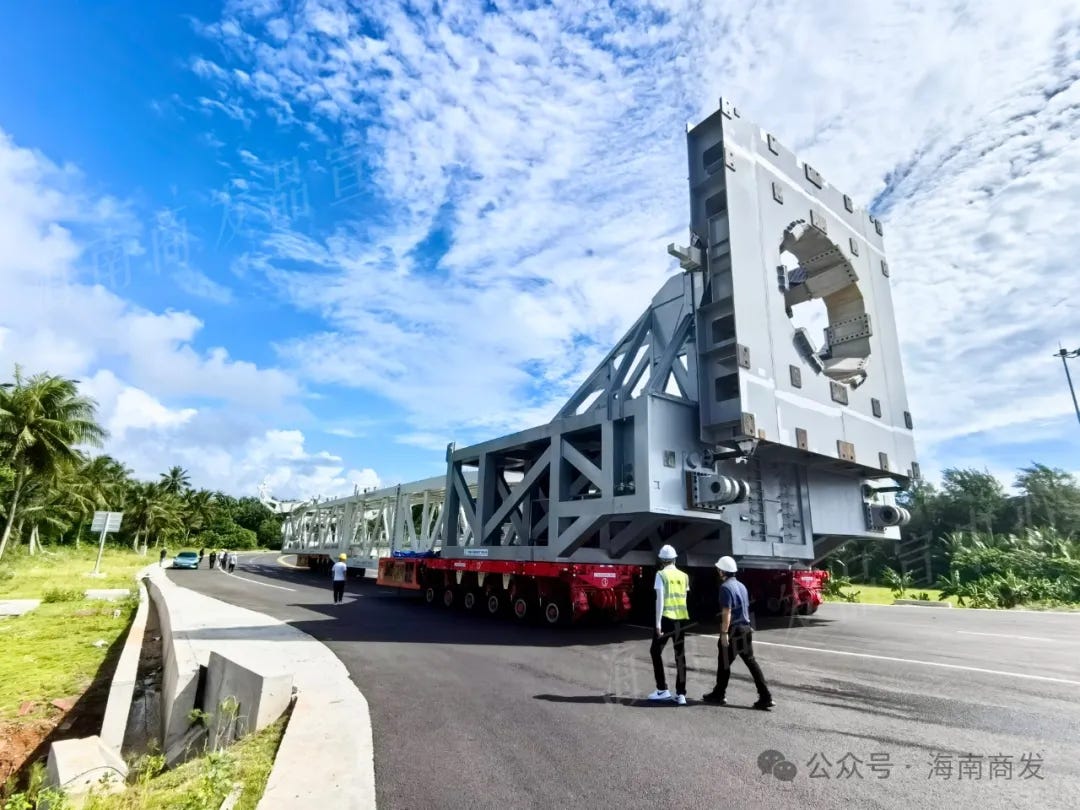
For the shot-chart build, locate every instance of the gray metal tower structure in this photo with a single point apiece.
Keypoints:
(718, 424)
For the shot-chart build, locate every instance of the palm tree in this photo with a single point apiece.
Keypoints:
(201, 509)
(176, 481)
(97, 484)
(42, 420)
(48, 507)
(152, 512)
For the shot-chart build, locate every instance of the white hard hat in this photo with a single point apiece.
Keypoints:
(727, 565)
(667, 553)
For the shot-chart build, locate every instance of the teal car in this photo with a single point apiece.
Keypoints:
(186, 559)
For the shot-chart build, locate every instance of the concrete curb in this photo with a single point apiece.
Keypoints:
(326, 756)
(295, 778)
(180, 662)
(922, 602)
(107, 594)
(122, 688)
(17, 607)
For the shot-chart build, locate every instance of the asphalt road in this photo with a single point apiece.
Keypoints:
(876, 706)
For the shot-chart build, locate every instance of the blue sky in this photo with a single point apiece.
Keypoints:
(312, 242)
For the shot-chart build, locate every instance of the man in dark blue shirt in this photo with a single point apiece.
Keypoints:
(736, 637)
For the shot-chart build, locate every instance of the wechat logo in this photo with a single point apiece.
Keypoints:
(774, 762)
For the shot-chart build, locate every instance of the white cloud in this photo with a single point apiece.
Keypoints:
(201, 285)
(163, 400)
(546, 147)
(229, 107)
(428, 441)
(123, 408)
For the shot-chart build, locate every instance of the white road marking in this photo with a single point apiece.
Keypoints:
(256, 582)
(1000, 611)
(896, 660)
(1004, 635)
(1023, 675)
(281, 561)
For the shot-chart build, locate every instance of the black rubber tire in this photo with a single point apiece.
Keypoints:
(468, 601)
(556, 613)
(448, 597)
(494, 604)
(521, 609)
(430, 595)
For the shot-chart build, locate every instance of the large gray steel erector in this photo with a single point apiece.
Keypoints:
(715, 424)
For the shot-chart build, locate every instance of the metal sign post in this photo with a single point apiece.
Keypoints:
(104, 522)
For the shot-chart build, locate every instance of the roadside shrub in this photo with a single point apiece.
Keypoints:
(214, 782)
(975, 563)
(232, 537)
(62, 595)
(834, 589)
(896, 582)
(269, 533)
(1009, 577)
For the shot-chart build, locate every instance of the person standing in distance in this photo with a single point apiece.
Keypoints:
(671, 586)
(339, 572)
(736, 637)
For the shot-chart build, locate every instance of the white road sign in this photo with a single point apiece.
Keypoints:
(106, 521)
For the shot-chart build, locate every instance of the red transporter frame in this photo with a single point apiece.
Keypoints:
(783, 592)
(562, 593)
(559, 592)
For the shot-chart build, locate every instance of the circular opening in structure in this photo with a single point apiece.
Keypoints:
(823, 300)
(811, 315)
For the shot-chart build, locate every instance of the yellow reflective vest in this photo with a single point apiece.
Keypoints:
(676, 584)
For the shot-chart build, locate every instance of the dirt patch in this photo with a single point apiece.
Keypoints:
(18, 740)
(27, 741)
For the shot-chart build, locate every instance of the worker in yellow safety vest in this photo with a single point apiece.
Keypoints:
(671, 586)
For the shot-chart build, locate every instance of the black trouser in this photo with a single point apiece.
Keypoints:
(339, 590)
(672, 628)
(741, 644)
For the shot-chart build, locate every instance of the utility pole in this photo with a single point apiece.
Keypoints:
(1065, 357)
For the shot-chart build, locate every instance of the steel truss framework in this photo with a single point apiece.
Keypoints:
(713, 424)
(368, 525)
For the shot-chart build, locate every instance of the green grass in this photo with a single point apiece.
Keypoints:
(880, 595)
(203, 782)
(30, 577)
(49, 652)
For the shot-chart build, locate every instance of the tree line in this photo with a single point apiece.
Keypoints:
(51, 484)
(977, 542)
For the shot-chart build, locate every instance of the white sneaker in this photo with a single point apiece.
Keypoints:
(660, 694)
(681, 700)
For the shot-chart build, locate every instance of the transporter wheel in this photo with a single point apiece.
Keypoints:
(556, 612)
(430, 595)
(521, 608)
(469, 600)
(448, 597)
(494, 604)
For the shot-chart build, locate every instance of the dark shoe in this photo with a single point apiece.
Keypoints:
(713, 697)
(764, 704)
